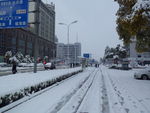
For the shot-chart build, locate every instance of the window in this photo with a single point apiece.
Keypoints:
(29, 45)
(22, 43)
(14, 41)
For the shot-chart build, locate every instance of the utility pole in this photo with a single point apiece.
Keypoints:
(76, 49)
(36, 49)
(75, 54)
(68, 59)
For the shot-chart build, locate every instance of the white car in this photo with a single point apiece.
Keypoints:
(143, 74)
(49, 66)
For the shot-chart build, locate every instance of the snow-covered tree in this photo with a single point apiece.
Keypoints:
(27, 59)
(119, 52)
(8, 55)
(19, 56)
(134, 21)
(109, 52)
(14, 59)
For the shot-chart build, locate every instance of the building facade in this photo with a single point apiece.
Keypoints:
(143, 57)
(23, 39)
(69, 52)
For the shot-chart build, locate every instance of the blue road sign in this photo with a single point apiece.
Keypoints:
(86, 55)
(13, 13)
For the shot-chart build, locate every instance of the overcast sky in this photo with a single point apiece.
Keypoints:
(96, 27)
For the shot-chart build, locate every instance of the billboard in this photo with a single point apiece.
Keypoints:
(13, 13)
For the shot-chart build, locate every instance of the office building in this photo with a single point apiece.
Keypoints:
(23, 39)
(70, 53)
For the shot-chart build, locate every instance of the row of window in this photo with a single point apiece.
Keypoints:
(19, 40)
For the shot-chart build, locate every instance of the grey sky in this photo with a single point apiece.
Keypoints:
(96, 23)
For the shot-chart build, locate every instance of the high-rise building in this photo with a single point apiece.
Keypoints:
(60, 53)
(23, 39)
(70, 53)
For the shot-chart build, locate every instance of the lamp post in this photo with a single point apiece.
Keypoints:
(68, 30)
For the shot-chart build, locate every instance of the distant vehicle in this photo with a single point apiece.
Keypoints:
(143, 74)
(49, 66)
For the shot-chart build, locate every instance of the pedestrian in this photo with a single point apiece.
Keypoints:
(14, 67)
(44, 62)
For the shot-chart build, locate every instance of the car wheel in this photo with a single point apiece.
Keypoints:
(144, 77)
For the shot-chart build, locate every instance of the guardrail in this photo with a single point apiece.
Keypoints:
(23, 70)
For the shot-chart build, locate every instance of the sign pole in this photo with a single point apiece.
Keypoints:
(36, 49)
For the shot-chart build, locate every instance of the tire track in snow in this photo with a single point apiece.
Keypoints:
(105, 104)
(92, 103)
(73, 104)
(66, 98)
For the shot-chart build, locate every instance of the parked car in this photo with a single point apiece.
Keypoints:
(143, 74)
(49, 66)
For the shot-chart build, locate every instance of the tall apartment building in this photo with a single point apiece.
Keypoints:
(23, 39)
(72, 55)
(60, 53)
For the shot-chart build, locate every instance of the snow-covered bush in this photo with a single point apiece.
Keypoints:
(19, 58)
(14, 59)
(27, 59)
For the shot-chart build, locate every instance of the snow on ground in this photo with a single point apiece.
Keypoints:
(53, 98)
(73, 104)
(126, 94)
(92, 102)
(12, 83)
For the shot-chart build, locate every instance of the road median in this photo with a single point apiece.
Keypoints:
(36, 82)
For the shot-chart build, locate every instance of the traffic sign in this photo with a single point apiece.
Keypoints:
(13, 13)
(86, 55)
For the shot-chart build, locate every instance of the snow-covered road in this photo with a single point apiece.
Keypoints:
(92, 102)
(55, 97)
(126, 94)
(96, 90)
(86, 99)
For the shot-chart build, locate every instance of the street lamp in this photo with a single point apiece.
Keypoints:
(68, 29)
